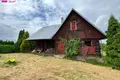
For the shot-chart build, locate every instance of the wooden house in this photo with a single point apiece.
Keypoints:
(74, 26)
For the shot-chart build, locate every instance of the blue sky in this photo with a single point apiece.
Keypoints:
(31, 15)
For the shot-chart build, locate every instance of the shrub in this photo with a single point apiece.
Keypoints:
(10, 61)
(72, 47)
(25, 46)
(6, 48)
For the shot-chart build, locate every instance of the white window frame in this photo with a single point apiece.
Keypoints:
(71, 25)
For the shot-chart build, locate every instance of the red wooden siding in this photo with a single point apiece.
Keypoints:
(61, 46)
(88, 50)
(84, 29)
(92, 50)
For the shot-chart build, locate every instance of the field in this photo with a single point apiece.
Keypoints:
(34, 67)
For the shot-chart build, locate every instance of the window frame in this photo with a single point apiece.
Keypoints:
(71, 25)
(88, 41)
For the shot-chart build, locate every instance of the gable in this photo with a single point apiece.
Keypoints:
(84, 28)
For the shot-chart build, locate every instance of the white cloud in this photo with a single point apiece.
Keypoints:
(20, 6)
(49, 2)
(32, 14)
(102, 22)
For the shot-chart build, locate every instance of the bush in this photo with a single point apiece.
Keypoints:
(113, 62)
(6, 48)
(10, 61)
(25, 46)
(72, 47)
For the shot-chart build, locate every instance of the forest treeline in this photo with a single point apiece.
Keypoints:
(21, 45)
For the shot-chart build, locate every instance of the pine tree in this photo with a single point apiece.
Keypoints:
(113, 28)
(113, 43)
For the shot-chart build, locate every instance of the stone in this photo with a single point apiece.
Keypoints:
(34, 51)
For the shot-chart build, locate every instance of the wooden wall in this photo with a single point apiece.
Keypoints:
(85, 31)
(44, 44)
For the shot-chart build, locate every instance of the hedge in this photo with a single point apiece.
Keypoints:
(6, 48)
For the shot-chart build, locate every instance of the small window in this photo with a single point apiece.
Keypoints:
(88, 43)
(73, 25)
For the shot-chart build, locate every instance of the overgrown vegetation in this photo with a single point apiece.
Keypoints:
(72, 47)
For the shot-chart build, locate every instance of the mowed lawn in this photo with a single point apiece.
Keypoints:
(34, 67)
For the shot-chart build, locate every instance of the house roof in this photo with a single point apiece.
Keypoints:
(49, 31)
(46, 32)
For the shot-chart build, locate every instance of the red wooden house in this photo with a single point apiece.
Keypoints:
(74, 26)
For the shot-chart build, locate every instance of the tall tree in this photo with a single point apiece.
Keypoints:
(113, 43)
(113, 28)
(26, 35)
(25, 45)
(19, 41)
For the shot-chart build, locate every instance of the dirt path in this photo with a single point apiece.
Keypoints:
(34, 67)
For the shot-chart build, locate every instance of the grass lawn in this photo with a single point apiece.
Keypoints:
(34, 67)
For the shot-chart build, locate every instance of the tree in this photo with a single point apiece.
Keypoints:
(25, 45)
(113, 28)
(19, 41)
(21, 33)
(103, 46)
(113, 43)
(26, 35)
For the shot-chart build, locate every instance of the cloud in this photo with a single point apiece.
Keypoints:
(102, 22)
(31, 15)
(7, 32)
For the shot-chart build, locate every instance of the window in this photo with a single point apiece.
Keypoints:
(88, 43)
(73, 25)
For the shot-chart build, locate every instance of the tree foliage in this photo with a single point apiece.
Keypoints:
(26, 45)
(19, 41)
(113, 43)
(103, 46)
(6, 42)
(113, 28)
(72, 47)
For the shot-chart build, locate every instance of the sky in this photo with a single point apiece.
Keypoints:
(31, 15)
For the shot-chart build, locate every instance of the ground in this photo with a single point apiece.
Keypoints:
(34, 67)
